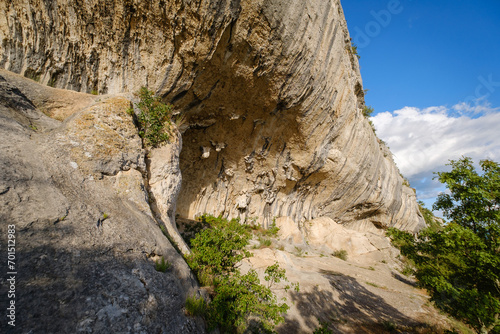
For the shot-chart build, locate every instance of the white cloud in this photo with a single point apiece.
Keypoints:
(424, 140)
(480, 107)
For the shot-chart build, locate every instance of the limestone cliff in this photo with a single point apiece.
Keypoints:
(271, 91)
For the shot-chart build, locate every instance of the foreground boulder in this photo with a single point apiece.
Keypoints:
(86, 239)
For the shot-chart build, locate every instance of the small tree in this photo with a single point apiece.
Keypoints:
(460, 264)
(217, 249)
(242, 304)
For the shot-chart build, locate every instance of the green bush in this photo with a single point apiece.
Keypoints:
(240, 298)
(273, 229)
(429, 217)
(217, 249)
(265, 242)
(406, 182)
(367, 112)
(389, 325)
(240, 303)
(353, 49)
(154, 118)
(271, 232)
(407, 269)
(299, 251)
(341, 254)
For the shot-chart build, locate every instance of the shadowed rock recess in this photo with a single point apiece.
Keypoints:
(271, 91)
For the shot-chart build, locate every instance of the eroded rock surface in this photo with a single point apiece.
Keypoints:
(271, 91)
(86, 239)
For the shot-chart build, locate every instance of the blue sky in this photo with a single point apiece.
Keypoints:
(432, 69)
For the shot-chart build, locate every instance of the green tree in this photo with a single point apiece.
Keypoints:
(368, 112)
(474, 199)
(460, 264)
(240, 303)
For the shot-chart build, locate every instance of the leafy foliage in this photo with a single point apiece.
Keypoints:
(240, 303)
(367, 112)
(406, 182)
(217, 249)
(460, 264)
(274, 274)
(474, 199)
(271, 232)
(323, 329)
(273, 229)
(191, 230)
(353, 48)
(388, 325)
(153, 118)
(264, 242)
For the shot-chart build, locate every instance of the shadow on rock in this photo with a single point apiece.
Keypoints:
(404, 280)
(350, 305)
(63, 288)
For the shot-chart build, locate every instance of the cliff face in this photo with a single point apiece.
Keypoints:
(271, 91)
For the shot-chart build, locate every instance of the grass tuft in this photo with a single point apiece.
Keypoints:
(341, 254)
(162, 265)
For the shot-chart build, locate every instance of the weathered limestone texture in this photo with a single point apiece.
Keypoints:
(86, 239)
(271, 91)
(165, 184)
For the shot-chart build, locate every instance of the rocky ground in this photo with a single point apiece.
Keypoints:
(353, 296)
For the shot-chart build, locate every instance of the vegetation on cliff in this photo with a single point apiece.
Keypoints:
(154, 118)
(460, 264)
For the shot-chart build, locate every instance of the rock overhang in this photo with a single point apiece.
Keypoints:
(275, 81)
